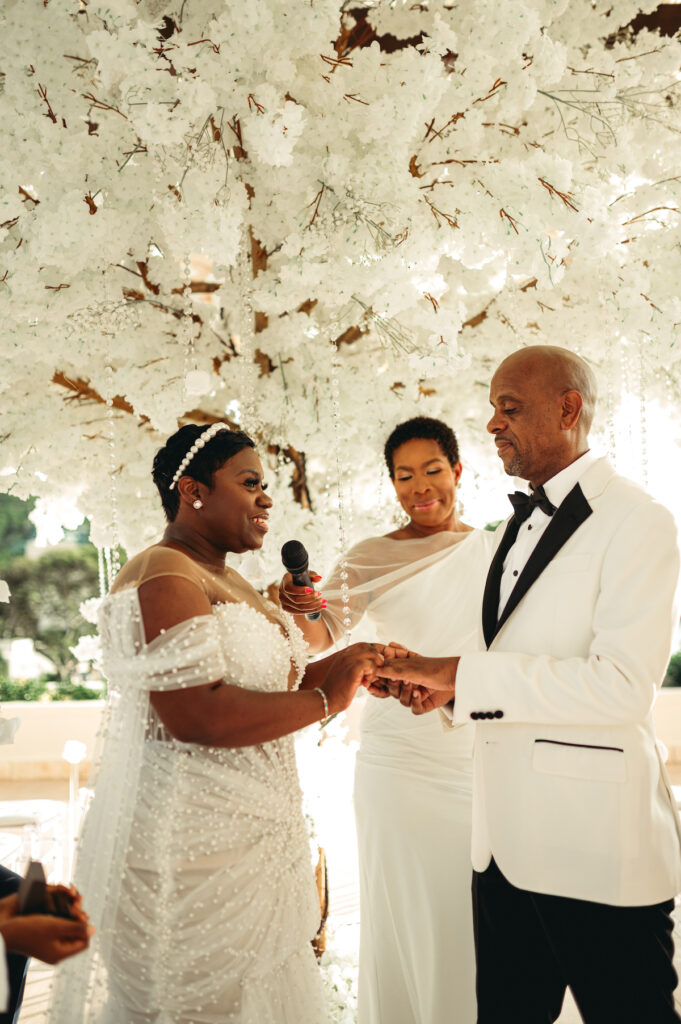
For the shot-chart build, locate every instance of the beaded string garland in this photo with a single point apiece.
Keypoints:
(335, 413)
(202, 440)
(111, 553)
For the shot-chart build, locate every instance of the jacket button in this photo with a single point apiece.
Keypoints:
(489, 714)
(498, 714)
(475, 714)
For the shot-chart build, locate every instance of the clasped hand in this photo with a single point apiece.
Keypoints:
(419, 683)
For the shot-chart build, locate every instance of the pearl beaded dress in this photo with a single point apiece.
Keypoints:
(194, 861)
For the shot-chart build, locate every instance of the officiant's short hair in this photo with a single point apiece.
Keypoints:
(421, 428)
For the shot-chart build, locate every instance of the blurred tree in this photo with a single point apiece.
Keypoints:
(45, 602)
(673, 676)
(16, 529)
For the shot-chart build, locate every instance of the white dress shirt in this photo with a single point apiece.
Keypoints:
(557, 490)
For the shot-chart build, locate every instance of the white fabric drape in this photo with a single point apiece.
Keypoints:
(194, 862)
(413, 783)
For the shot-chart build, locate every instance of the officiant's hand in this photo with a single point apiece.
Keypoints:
(300, 600)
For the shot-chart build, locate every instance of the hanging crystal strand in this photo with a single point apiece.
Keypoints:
(643, 426)
(103, 589)
(610, 401)
(246, 328)
(107, 564)
(626, 389)
(114, 561)
(196, 381)
(343, 564)
(186, 332)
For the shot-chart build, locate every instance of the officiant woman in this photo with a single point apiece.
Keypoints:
(420, 585)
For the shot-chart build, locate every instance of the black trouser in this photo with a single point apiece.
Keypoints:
(16, 965)
(530, 947)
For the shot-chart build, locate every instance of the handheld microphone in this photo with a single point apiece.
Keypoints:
(296, 561)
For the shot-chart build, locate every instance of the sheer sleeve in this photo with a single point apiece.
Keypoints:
(159, 561)
(188, 654)
(375, 566)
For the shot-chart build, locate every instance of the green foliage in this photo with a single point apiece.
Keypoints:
(44, 689)
(673, 676)
(46, 594)
(24, 689)
(64, 689)
(16, 529)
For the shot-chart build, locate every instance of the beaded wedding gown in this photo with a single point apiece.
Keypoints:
(194, 862)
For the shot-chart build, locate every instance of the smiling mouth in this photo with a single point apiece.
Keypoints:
(423, 506)
(261, 523)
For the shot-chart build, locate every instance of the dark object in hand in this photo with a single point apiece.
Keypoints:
(35, 897)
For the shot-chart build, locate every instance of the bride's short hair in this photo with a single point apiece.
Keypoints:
(214, 453)
(421, 428)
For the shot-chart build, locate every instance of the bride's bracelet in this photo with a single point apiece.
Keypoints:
(321, 693)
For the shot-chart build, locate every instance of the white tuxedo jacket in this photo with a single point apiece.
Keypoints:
(570, 794)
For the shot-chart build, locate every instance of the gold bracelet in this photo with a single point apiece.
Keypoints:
(321, 693)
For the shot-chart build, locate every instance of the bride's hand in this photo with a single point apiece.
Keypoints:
(351, 668)
(383, 688)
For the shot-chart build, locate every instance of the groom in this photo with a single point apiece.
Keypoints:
(576, 842)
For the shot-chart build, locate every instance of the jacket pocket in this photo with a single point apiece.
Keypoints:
(579, 760)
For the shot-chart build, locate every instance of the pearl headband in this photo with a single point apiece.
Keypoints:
(200, 442)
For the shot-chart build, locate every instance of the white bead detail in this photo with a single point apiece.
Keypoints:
(201, 440)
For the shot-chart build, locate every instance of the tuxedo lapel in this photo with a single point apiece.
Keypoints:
(490, 600)
(567, 518)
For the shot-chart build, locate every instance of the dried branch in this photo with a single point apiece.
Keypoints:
(42, 92)
(553, 191)
(511, 220)
(672, 209)
(100, 105)
(446, 217)
(315, 202)
(497, 85)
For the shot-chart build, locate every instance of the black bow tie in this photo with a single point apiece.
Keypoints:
(525, 504)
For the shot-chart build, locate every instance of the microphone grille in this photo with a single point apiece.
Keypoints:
(294, 556)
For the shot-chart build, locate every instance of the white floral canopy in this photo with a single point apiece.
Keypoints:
(315, 219)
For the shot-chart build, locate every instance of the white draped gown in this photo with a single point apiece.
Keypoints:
(413, 784)
(195, 862)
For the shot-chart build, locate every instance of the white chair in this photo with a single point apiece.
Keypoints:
(12, 852)
(38, 826)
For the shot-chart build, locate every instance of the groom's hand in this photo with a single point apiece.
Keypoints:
(423, 700)
(429, 673)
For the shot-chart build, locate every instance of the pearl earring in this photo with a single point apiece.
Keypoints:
(198, 503)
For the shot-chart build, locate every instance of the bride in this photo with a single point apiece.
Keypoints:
(194, 858)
